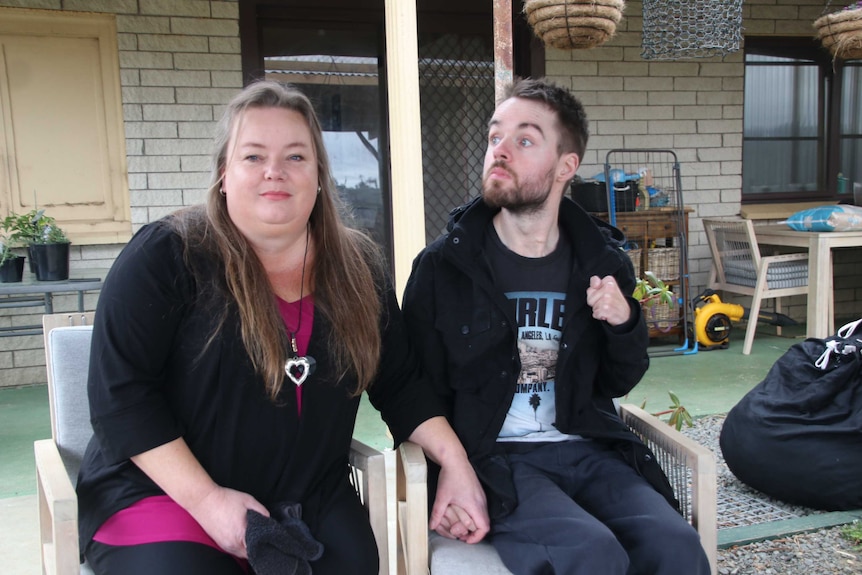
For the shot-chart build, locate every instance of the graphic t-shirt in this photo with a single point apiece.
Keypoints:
(536, 288)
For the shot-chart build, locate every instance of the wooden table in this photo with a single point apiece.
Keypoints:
(820, 245)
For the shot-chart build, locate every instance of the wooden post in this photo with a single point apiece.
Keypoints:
(503, 58)
(405, 137)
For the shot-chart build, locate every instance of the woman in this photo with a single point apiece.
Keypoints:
(230, 348)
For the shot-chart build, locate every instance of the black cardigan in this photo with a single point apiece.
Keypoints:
(150, 382)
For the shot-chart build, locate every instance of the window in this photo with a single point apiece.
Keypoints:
(802, 122)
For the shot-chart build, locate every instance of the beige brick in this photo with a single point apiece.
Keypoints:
(698, 113)
(38, 4)
(226, 10)
(575, 69)
(201, 27)
(645, 84)
(226, 79)
(696, 84)
(622, 98)
(734, 84)
(595, 113)
(179, 180)
(132, 113)
(671, 98)
(600, 142)
(148, 198)
(143, 24)
(224, 45)
(621, 127)
(137, 182)
(605, 54)
(205, 95)
(140, 95)
(207, 62)
(719, 182)
(130, 77)
(197, 129)
(139, 216)
(127, 42)
(181, 147)
(172, 43)
(648, 141)
(720, 98)
(732, 112)
(731, 168)
(193, 8)
(697, 140)
(146, 164)
(791, 28)
(671, 127)
(759, 27)
(648, 113)
(775, 12)
(193, 197)
(719, 154)
(29, 358)
(195, 163)
(109, 6)
(178, 112)
(22, 375)
(146, 60)
(703, 168)
(625, 69)
(556, 55)
(6, 361)
(151, 129)
(674, 69)
(175, 78)
(159, 212)
(734, 69)
(598, 83)
(718, 126)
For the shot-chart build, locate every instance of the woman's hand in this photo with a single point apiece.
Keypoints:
(222, 514)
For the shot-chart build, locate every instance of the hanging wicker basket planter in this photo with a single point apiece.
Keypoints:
(841, 33)
(569, 24)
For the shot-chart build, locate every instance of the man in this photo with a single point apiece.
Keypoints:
(523, 317)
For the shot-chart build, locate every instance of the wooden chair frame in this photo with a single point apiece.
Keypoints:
(373, 475)
(689, 466)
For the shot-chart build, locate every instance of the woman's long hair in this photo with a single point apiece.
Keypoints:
(347, 271)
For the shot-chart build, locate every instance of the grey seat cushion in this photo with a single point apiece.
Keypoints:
(449, 556)
(70, 352)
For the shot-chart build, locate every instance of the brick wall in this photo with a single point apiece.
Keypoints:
(694, 108)
(179, 64)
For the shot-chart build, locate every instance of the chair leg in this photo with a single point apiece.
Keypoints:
(752, 322)
(778, 310)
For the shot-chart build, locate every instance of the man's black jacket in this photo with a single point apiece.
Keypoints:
(466, 336)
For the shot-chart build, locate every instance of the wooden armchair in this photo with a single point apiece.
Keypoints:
(689, 466)
(67, 354)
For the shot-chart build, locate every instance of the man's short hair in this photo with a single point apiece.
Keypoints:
(574, 125)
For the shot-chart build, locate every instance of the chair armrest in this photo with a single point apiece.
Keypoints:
(373, 474)
(412, 500)
(689, 466)
(58, 512)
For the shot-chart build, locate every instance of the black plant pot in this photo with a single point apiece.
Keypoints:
(12, 270)
(51, 261)
(32, 259)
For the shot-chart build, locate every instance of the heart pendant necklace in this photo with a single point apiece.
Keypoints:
(298, 367)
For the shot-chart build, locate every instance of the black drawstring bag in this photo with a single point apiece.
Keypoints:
(797, 436)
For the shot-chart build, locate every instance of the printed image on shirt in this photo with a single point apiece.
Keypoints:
(533, 410)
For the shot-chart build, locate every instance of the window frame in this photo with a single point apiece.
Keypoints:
(830, 79)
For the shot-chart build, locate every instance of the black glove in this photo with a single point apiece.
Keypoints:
(281, 544)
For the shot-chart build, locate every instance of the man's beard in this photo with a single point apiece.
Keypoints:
(514, 196)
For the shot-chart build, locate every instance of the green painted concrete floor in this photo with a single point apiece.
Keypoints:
(707, 382)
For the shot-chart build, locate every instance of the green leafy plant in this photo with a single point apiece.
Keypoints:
(649, 290)
(853, 533)
(679, 415)
(10, 238)
(35, 227)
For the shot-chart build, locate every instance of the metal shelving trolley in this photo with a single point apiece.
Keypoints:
(645, 201)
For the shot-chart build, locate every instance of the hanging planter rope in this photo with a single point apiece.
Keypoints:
(569, 24)
(841, 32)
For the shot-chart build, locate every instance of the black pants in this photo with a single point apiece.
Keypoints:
(582, 510)
(343, 529)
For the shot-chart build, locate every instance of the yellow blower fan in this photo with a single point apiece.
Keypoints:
(713, 320)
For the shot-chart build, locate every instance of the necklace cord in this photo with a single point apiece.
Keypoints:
(292, 333)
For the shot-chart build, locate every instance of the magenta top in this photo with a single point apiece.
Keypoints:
(158, 518)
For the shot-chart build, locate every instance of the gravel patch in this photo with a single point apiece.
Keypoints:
(823, 552)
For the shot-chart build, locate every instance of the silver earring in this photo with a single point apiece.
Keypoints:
(221, 191)
(318, 190)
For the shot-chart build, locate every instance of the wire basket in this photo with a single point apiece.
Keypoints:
(635, 256)
(660, 315)
(691, 29)
(569, 24)
(664, 262)
(841, 33)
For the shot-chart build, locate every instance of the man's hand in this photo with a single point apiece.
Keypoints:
(460, 510)
(607, 301)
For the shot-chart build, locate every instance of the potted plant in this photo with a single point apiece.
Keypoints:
(47, 245)
(11, 263)
(656, 299)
